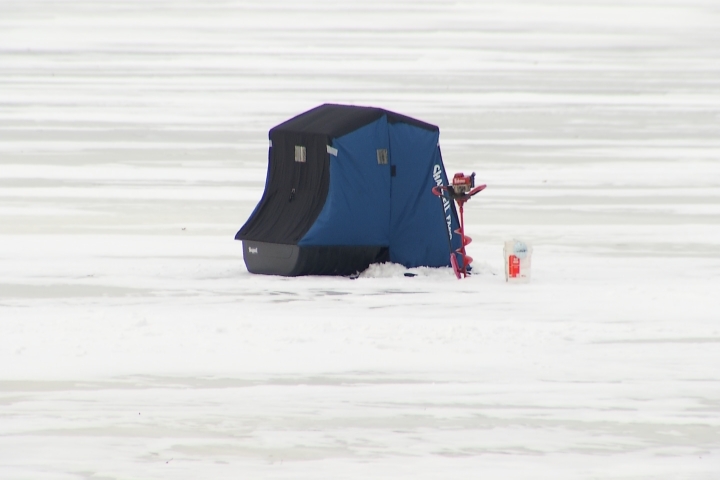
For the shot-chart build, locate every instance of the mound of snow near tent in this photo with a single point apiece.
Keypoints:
(394, 270)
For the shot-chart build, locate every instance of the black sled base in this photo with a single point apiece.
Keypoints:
(294, 260)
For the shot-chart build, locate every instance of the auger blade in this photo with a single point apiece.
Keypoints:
(455, 267)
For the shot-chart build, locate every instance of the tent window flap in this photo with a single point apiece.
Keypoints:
(300, 155)
(382, 156)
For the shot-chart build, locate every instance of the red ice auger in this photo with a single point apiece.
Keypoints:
(462, 189)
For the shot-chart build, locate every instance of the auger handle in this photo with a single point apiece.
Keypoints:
(476, 190)
(437, 190)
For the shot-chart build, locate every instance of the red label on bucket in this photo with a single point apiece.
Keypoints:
(513, 266)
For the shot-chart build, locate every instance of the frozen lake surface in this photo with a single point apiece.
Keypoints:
(134, 344)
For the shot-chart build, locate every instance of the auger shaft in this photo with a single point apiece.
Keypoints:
(460, 269)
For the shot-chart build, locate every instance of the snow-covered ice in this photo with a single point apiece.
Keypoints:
(134, 344)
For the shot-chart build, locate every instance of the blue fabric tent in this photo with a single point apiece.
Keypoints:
(348, 186)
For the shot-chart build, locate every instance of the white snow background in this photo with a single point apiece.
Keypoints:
(135, 345)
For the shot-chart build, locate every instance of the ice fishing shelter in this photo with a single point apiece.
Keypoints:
(348, 186)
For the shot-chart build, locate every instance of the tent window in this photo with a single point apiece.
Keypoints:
(300, 154)
(382, 156)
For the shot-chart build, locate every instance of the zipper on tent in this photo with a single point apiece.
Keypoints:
(392, 175)
(300, 157)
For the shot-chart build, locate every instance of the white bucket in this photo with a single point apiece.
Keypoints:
(517, 261)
